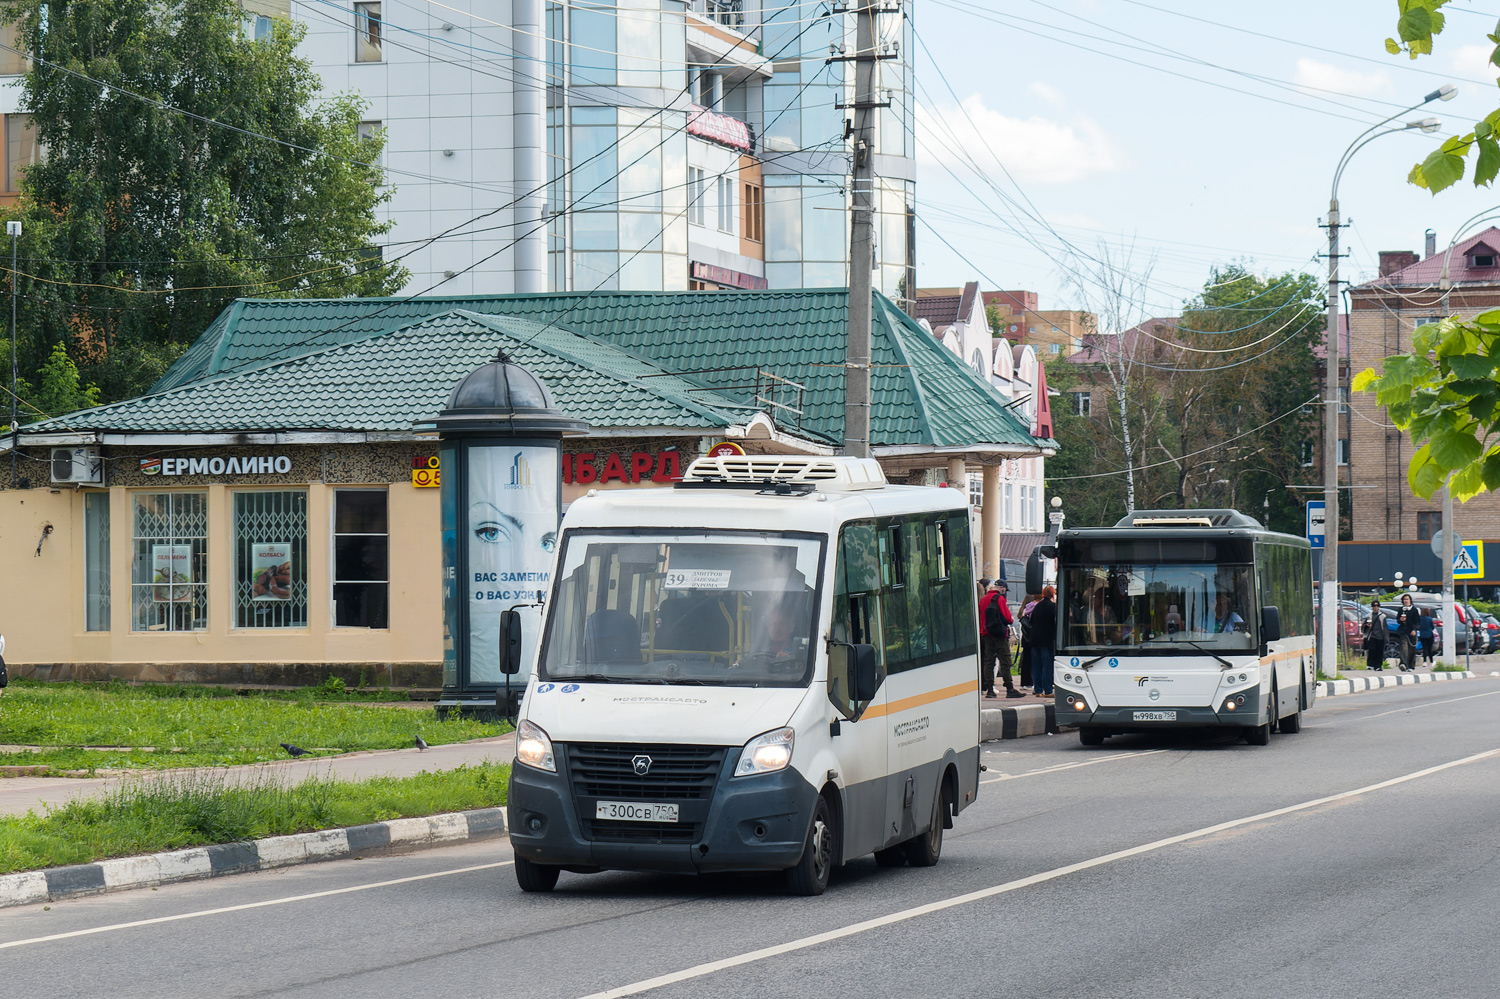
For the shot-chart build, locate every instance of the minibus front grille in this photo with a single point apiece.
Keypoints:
(608, 771)
(641, 832)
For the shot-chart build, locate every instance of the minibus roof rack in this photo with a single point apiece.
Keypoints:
(805, 472)
(1189, 518)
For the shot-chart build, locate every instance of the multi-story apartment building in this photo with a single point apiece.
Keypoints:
(15, 128)
(1383, 314)
(644, 145)
(1015, 316)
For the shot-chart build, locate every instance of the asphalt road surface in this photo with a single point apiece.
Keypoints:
(1357, 858)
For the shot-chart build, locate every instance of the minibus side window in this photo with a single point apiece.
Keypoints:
(918, 575)
(893, 617)
(940, 608)
(856, 610)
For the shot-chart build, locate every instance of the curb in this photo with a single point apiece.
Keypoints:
(1017, 722)
(1354, 685)
(57, 883)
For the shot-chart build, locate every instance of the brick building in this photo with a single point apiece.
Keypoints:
(1383, 314)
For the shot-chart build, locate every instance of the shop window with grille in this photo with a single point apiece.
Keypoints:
(270, 559)
(361, 558)
(169, 572)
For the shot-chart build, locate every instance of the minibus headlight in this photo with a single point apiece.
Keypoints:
(533, 748)
(766, 754)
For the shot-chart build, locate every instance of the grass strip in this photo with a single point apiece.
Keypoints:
(145, 727)
(155, 813)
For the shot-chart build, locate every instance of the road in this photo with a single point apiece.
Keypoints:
(1356, 858)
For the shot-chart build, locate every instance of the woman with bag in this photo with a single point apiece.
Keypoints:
(1406, 631)
(1025, 623)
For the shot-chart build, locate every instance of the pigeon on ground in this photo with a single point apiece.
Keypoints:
(293, 750)
(421, 743)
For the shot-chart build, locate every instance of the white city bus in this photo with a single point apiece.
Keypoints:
(1184, 618)
(770, 666)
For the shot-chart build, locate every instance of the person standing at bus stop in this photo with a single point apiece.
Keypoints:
(1043, 641)
(994, 626)
(1375, 632)
(1406, 633)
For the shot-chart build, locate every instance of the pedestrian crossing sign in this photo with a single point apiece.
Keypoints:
(1468, 561)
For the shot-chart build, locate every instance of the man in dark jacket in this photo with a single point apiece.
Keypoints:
(994, 640)
(1043, 641)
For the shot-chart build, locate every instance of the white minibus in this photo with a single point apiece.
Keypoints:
(771, 665)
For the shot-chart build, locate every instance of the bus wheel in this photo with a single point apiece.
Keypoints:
(536, 877)
(924, 850)
(1292, 723)
(1091, 736)
(893, 856)
(1260, 735)
(810, 874)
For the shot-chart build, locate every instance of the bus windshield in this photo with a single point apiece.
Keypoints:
(713, 607)
(1158, 607)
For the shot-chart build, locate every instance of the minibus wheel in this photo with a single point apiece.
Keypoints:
(809, 876)
(1091, 736)
(924, 850)
(536, 877)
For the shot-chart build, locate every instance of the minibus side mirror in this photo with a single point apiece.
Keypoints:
(864, 676)
(510, 642)
(1270, 625)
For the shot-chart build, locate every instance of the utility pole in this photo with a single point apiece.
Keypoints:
(1450, 616)
(862, 224)
(13, 230)
(1328, 662)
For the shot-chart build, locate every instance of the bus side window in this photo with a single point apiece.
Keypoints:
(856, 612)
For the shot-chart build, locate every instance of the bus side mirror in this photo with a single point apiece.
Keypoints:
(1034, 577)
(510, 642)
(1270, 625)
(864, 676)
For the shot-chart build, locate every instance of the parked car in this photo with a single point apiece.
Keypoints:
(1353, 626)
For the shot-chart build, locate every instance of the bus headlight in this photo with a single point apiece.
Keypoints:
(766, 754)
(533, 748)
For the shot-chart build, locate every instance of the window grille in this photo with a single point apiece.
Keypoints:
(169, 574)
(270, 559)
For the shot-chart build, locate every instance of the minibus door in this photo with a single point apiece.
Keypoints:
(857, 694)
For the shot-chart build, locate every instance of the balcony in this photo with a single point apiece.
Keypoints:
(718, 37)
(728, 13)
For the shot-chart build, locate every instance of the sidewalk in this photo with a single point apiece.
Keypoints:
(18, 795)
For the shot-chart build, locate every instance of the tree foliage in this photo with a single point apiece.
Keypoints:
(1418, 23)
(1446, 395)
(1228, 428)
(160, 197)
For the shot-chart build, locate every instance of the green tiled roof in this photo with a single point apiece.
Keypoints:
(921, 394)
(393, 381)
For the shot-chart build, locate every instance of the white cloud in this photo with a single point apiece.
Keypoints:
(1473, 62)
(1320, 76)
(1036, 150)
(1049, 94)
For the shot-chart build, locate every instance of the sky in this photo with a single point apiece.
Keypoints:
(1166, 144)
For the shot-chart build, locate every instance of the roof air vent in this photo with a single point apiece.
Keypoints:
(826, 474)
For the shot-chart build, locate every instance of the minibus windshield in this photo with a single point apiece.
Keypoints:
(707, 607)
(1157, 608)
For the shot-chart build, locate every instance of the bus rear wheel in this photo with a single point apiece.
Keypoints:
(924, 850)
(1091, 736)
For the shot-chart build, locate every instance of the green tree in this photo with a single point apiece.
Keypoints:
(59, 389)
(1418, 23)
(185, 165)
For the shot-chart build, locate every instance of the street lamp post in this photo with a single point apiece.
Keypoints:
(1327, 647)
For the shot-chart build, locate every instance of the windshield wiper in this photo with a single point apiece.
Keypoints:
(597, 678)
(1090, 663)
(1189, 641)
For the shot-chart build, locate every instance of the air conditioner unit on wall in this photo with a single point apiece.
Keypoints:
(77, 465)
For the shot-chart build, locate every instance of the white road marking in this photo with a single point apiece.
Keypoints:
(250, 905)
(1069, 766)
(1427, 704)
(753, 956)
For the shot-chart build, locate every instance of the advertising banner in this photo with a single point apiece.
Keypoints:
(271, 569)
(171, 564)
(513, 512)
